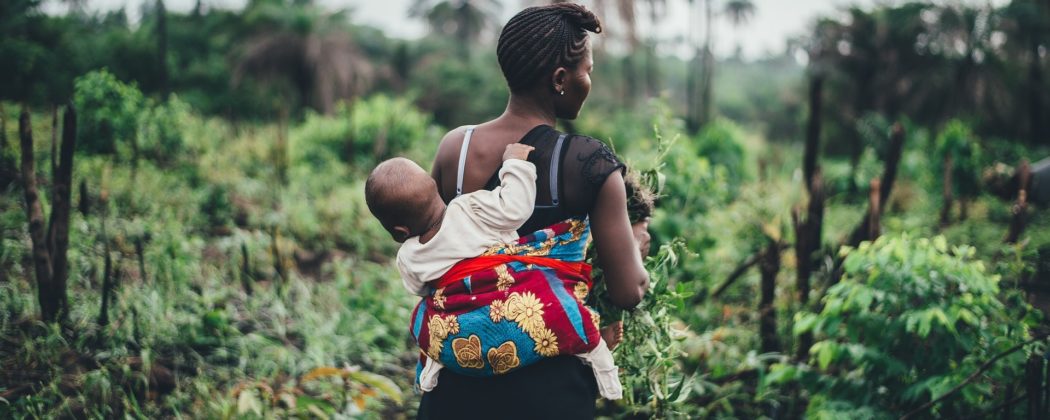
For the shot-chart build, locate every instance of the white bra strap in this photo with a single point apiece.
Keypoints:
(463, 160)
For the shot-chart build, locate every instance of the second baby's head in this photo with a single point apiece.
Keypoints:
(403, 197)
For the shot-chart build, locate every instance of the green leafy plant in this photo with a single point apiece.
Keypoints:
(911, 319)
(108, 113)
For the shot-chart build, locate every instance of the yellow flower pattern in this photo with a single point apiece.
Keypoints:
(546, 342)
(581, 290)
(440, 328)
(504, 358)
(439, 298)
(527, 310)
(496, 310)
(505, 280)
(468, 352)
(522, 307)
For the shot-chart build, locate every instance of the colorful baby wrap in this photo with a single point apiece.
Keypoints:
(512, 306)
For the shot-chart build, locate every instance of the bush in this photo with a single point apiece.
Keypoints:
(721, 142)
(108, 112)
(368, 131)
(910, 319)
(958, 142)
(160, 131)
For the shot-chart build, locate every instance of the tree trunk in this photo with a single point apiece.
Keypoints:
(807, 240)
(812, 150)
(874, 209)
(8, 167)
(652, 70)
(769, 267)
(1035, 96)
(692, 120)
(51, 308)
(1034, 386)
(709, 68)
(863, 231)
(630, 80)
(162, 47)
(62, 184)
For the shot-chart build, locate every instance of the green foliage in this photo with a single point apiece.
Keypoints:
(108, 113)
(721, 142)
(957, 141)
(910, 319)
(363, 133)
(160, 135)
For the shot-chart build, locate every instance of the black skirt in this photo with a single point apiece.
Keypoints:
(561, 387)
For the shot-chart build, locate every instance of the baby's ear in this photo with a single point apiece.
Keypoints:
(401, 233)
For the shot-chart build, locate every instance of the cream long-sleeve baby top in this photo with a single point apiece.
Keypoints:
(472, 224)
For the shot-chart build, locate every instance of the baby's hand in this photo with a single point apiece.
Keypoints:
(517, 151)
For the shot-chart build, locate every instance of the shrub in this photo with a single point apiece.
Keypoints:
(910, 319)
(958, 142)
(721, 142)
(370, 130)
(160, 131)
(108, 112)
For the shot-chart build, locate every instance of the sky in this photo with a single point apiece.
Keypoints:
(773, 23)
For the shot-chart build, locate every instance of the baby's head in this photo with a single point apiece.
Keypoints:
(403, 197)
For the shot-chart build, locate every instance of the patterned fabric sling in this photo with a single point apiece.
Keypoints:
(513, 305)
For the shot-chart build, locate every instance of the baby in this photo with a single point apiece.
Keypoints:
(435, 237)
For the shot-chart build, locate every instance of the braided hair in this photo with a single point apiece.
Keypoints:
(540, 39)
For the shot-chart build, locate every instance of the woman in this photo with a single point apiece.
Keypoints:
(545, 57)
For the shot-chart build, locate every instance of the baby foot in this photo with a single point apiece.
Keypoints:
(612, 334)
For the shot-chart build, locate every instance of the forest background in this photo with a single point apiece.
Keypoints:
(842, 227)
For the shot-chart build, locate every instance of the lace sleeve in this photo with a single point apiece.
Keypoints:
(587, 164)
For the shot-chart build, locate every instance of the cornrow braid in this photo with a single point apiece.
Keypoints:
(540, 39)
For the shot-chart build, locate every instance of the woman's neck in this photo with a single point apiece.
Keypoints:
(528, 111)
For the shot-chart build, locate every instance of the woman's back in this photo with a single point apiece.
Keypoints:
(570, 170)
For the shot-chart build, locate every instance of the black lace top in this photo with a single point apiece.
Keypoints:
(585, 164)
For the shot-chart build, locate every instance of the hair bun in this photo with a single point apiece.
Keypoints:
(580, 16)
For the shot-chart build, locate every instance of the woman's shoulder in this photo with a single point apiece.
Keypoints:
(593, 158)
(450, 143)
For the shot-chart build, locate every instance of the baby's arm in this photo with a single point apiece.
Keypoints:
(509, 205)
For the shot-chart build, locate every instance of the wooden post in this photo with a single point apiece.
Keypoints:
(769, 267)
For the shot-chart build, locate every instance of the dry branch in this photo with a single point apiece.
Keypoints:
(741, 268)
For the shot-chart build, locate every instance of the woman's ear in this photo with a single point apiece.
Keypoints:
(558, 78)
(401, 233)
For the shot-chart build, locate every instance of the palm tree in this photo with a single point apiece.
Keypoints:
(699, 109)
(305, 50)
(463, 20)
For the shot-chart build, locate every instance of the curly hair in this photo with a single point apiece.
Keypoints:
(540, 39)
